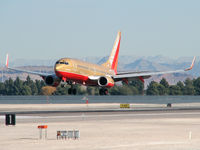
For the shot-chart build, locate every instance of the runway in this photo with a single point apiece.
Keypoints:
(58, 109)
(150, 128)
(140, 130)
(80, 99)
(120, 115)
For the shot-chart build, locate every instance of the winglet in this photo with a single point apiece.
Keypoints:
(7, 60)
(191, 64)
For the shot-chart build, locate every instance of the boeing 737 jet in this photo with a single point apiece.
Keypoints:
(104, 76)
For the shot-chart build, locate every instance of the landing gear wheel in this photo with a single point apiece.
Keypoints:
(74, 91)
(103, 92)
(70, 91)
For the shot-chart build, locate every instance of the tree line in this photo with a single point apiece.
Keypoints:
(136, 87)
(188, 87)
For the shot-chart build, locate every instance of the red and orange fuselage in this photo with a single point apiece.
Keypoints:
(81, 72)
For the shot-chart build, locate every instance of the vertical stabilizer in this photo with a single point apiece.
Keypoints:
(113, 59)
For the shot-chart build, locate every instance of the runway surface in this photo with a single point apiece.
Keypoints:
(58, 109)
(98, 99)
(79, 116)
(174, 129)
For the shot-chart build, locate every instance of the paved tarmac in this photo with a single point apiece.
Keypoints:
(80, 99)
(84, 108)
(94, 116)
(175, 129)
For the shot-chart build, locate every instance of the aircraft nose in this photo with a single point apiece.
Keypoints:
(57, 67)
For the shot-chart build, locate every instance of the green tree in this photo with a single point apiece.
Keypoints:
(81, 90)
(135, 91)
(28, 81)
(92, 90)
(39, 84)
(174, 90)
(34, 89)
(9, 87)
(125, 90)
(18, 85)
(114, 90)
(152, 88)
(138, 86)
(2, 89)
(189, 88)
(161, 89)
(164, 82)
(26, 90)
(61, 90)
(181, 86)
(196, 84)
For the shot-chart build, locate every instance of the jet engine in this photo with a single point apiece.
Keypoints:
(52, 80)
(105, 81)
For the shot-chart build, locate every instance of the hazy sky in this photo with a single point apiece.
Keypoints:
(49, 29)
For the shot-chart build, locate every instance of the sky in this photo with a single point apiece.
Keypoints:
(51, 29)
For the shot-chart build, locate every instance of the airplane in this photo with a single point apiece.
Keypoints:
(74, 71)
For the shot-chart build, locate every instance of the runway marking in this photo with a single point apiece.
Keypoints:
(83, 115)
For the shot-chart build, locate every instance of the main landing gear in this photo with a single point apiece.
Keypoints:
(72, 91)
(103, 91)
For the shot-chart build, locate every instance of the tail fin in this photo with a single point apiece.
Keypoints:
(113, 59)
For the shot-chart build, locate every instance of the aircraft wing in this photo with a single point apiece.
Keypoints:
(26, 71)
(145, 74)
(30, 72)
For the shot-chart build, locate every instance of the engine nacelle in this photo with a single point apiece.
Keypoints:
(52, 80)
(105, 81)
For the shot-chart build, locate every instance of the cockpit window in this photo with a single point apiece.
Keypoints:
(62, 62)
